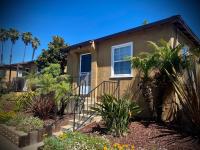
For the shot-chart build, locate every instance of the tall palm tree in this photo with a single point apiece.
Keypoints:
(145, 63)
(26, 38)
(35, 43)
(3, 38)
(14, 36)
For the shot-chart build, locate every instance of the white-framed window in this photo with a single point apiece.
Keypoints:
(120, 66)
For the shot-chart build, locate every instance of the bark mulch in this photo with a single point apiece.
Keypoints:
(147, 136)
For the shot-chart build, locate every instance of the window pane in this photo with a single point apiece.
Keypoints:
(86, 63)
(122, 67)
(184, 50)
(122, 53)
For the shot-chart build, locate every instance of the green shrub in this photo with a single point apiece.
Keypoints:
(24, 100)
(116, 113)
(6, 116)
(29, 124)
(14, 121)
(10, 96)
(8, 101)
(75, 141)
(25, 123)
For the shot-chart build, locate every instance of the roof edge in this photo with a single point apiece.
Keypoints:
(172, 19)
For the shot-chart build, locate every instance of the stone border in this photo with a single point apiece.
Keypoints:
(21, 138)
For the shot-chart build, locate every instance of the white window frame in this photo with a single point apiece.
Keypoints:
(112, 60)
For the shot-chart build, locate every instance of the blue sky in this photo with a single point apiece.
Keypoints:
(80, 20)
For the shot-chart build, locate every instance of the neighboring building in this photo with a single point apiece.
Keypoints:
(17, 70)
(102, 59)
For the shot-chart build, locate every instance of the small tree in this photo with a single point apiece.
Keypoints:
(53, 54)
(50, 81)
(145, 63)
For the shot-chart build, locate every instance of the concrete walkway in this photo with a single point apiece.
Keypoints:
(7, 145)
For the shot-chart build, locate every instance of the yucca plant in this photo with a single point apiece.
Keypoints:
(187, 88)
(116, 113)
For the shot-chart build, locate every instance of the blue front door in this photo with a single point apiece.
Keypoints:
(85, 73)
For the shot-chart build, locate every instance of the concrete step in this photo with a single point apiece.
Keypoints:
(57, 133)
(68, 127)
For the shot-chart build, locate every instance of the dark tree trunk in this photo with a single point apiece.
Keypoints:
(148, 96)
(10, 63)
(1, 53)
(62, 108)
(24, 53)
(33, 54)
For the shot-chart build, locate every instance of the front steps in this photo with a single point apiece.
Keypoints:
(87, 116)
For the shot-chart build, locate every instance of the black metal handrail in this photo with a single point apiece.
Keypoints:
(83, 102)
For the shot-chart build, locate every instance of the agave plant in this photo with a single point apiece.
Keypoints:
(145, 63)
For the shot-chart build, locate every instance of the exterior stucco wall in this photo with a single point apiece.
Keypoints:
(101, 58)
(6, 77)
(140, 44)
(101, 55)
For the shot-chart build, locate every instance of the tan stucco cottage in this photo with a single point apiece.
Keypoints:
(102, 59)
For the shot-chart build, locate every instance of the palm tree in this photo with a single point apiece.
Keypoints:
(14, 36)
(35, 43)
(3, 38)
(168, 57)
(26, 38)
(145, 63)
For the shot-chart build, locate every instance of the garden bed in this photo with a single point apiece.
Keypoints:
(153, 136)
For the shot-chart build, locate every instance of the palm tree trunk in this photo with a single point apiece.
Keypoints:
(33, 54)
(1, 53)
(24, 53)
(10, 63)
(148, 96)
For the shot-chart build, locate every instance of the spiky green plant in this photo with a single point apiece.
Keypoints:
(187, 88)
(116, 113)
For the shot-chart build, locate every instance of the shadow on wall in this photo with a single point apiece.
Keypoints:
(133, 92)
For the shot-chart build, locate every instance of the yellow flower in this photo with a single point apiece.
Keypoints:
(105, 147)
(115, 145)
(120, 147)
(132, 147)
